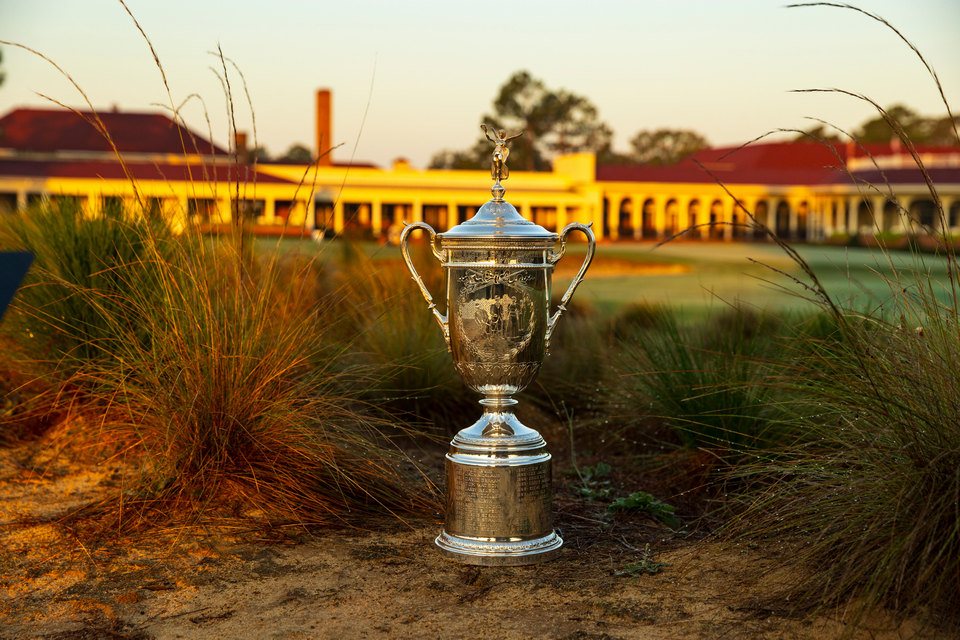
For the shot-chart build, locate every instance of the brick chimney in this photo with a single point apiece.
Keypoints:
(324, 127)
(243, 154)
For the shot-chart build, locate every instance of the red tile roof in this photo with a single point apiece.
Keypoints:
(938, 175)
(223, 172)
(773, 163)
(49, 130)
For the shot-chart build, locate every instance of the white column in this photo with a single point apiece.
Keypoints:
(659, 214)
(794, 205)
(310, 222)
(452, 218)
(376, 217)
(876, 205)
(180, 218)
(683, 212)
(561, 216)
(636, 215)
(94, 205)
(270, 210)
(771, 222)
(338, 215)
(906, 223)
(837, 213)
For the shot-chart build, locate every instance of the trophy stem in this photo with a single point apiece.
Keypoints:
(498, 416)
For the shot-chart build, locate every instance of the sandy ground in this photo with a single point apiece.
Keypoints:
(384, 582)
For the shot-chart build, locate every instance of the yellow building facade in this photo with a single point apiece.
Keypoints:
(783, 185)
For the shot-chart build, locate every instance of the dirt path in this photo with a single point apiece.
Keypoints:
(387, 582)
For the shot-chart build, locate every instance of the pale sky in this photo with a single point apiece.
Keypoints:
(724, 68)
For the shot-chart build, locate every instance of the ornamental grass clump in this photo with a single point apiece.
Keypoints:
(869, 503)
(576, 372)
(211, 368)
(872, 500)
(708, 382)
(394, 337)
(114, 252)
(237, 406)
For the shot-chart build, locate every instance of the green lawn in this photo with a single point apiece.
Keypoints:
(757, 274)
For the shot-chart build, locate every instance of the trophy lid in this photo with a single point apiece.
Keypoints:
(498, 218)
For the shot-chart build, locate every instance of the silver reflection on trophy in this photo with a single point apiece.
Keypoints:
(499, 498)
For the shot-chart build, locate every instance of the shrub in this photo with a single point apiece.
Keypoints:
(709, 382)
(232, 404)
(394, 337)
(873, 500)
(871, 503)
(114, 253)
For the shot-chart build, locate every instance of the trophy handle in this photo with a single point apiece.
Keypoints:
(407, 228)
(555, 258)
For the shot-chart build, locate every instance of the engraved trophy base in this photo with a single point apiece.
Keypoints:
(499, 493)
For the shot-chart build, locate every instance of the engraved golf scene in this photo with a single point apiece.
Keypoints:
(542, 388)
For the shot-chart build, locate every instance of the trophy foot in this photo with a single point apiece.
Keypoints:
(499, 552)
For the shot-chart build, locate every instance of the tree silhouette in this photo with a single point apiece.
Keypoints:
(665, 146)
(297, 153)
(553, 122)
(920, 129)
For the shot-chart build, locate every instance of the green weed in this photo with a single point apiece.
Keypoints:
(642, 501)
(647, 565)
(594, 486)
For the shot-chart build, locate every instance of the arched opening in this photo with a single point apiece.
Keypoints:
(606, 219)
(672, 218)
(648, 220)
(760, 215)
(890, 219)
(783, 220)
(716, 217)
(953, 216)
(693, 219)
(739, 222)
(625, 220)
(924, 213)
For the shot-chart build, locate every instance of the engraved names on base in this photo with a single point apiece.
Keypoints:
(499, 502)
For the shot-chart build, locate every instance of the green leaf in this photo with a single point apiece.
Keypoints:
(642, 501)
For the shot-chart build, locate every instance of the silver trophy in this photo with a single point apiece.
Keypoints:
(499, 503)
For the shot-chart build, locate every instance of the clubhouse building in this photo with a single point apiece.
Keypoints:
(804, 191)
